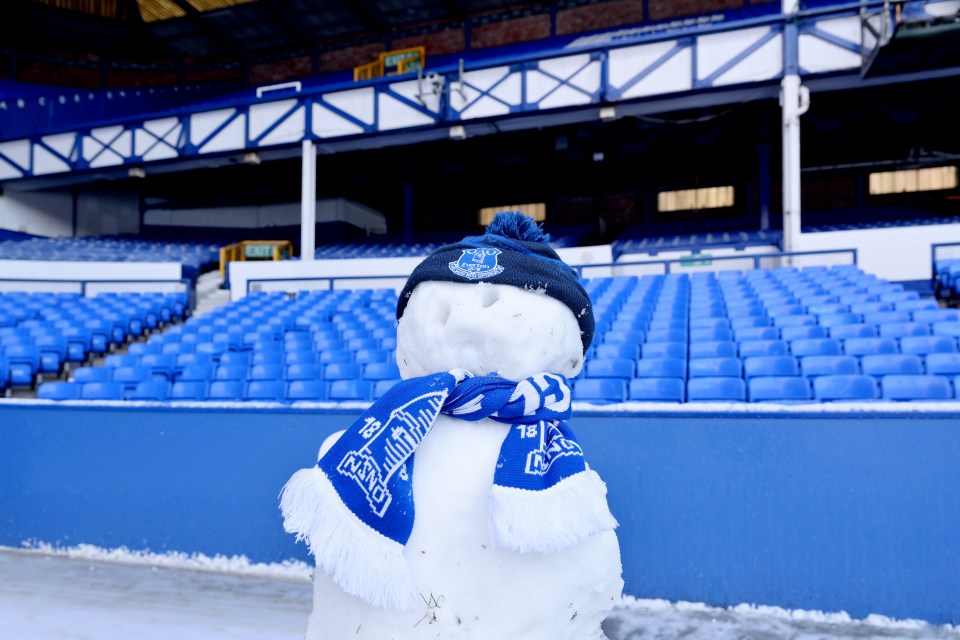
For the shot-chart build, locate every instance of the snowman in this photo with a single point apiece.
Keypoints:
(460, 505)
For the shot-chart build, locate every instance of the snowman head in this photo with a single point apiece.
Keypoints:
(502, 303)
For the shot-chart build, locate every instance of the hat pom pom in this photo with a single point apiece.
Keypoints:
(516, 226)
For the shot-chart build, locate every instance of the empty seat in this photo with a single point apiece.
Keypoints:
(59, 391)
(891, 363)
(188, 390)
(867, 346)
(344, 390)
(125, 360)
(947, 328)
(922, 345)
(130, 377)
(836, 319)
(266, 372)
(612, 368)
(236, 358)
(816, 347)
(337, 355)
(715, 368)
(915, 387)
(708, 323)
(157, 390)
(266, 390)
(794, 321)
(947, 364)
(779, 389)
(924, 304)
(273, 358)
(936, 315)
(599, 390)
(803, 332)
(230, 372)
(381, 371)
(746, 334)
(364, 356)
(102, 391)
(313, 390)
(228, 390)
(748, 322)
(847, 331)
(342, 371)
(91, 374)
(161, 365)
(630, 351)
(811, 366)
(759, 366)
(380, 387)
(712, 349)
(716, 389)
(903, 329)
(831, 388)
(666, 335)
(657, 389)
(710, 334)
(623, 337)
(750, 348)
(884, 317)
(304, 371)
(664, 350)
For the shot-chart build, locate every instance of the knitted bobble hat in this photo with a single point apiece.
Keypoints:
(514, 251)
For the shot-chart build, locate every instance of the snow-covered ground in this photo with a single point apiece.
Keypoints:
(90, 594)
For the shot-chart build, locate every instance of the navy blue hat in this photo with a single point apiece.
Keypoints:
(513, 251)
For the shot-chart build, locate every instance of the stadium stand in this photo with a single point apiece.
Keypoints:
(781, 335)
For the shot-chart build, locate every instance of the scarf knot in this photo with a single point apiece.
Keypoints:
(355, 508)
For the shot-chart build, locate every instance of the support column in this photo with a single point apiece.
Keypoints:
(308, 201)
(794, 101)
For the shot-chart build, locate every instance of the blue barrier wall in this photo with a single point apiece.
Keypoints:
(830, 511)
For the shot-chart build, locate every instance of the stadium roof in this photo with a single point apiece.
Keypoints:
(236, 28)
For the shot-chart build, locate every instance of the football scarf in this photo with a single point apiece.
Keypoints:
(355, 507)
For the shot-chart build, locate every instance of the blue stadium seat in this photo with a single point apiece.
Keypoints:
(381, 371)
(837, 319)
(794, 320)
(749, 322)
(59, 391)
(885, 317)
(613, 368)
(657, 389)
(342, 371)
(337, 355)
(947, 328)
(235, 358)
(661, 368)
(90, 374)
(715, 368)
(779, 389)
(268, 357)
(357, 344)
(310, 390)
(130, 377)
(803, 332)
(916, 387)
(380, 387)
(891, 363)
(156, 390)
(781, 310)
(710, 334)
(816, 347)
(811, 366)
(750, 348)
(344, 390)
(304, 371)
(53, 352)
(630, 351)
(947, 364)
(623, 337)
(230, 372)
(599, 390)
(830, 388)
(936, 315)
(125, 360)
(102, 391)
(188, 390)
(903, 329)
(709, 323)
(196, 372)
(870, 307)
(266, 390)
(712, 349)
(266, 372)
(925, 304)
(760, 366)
(867, 346)
(664, 350)
(716, 390)
(922, 345)
(853, 331)
(23, 361)
(161, 365)
(192, 359)
(389, 343)
(750, 334)
(226, 390)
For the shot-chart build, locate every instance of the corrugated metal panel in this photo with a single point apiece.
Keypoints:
(155, 10)
(210, 5)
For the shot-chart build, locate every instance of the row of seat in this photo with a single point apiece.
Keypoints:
(219, 390)
(781, 389)
(41, 332)
(110, 249)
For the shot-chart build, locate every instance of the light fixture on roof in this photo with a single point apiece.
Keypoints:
(252, 157)
(136, 172)
(457, 132)
(608, 113)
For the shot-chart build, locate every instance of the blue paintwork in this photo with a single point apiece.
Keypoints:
(844, 511)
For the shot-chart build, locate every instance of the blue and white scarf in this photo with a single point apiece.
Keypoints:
(355, 507)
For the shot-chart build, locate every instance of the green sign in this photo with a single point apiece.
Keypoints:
(696, 260)
(259, 250)
(394, 60)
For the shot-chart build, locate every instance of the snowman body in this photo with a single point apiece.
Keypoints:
(469, 588)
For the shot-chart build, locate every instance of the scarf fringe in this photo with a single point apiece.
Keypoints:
(553, 519)
(363, 562)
